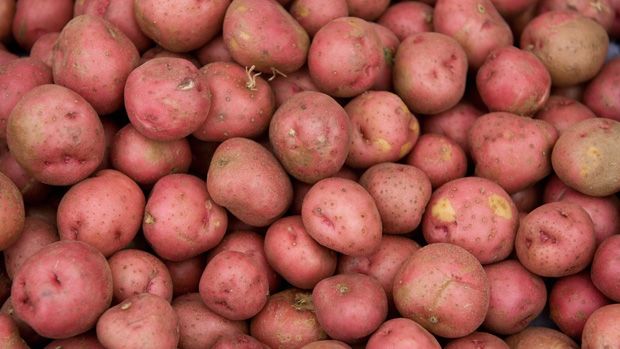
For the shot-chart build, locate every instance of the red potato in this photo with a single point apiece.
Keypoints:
(294, 255)
(476, 25)
(300, 327)
(540, 338)
(242, 103)
(601, 328)
(443, 288)
(300, 189)
(233, 286)
(383, 129)
(527, 199)
(601, 94)
(167, 98)
(200, 327)
(571, 301)
(32, 190)
(430, 71)
(600, 11)
(6, 56)
(312, 15)
(43, 48)
(477, 340)
(34, 18)
(145, 160)
(454, 123)
(180, 26)
(389, 43)
(25, 331)
(17, 77)
(7, 12)
(160, 52)
(135, 271)
(83, 341)
(562, 112)
(104, 211)
(512, 8)
(181, 220)
(520, 21)
(36, 234)
(296, 82)
(556, 239)
(311, 135)
(62, 289)
(326, 344)
(473, 213)
(341, 215)
(439, 157)
(185, 274)
(605, 270)
(516, 298)
(367, 9)
(345, 57)
(110, 128)
(9, 334)
(273, 42)
(407, 18)
(401, 333)
(213, 51)
(401, 193)
(12, 214)
(615, 27)
(77, 63)
(140, 322)
(238, 341)
(202, 153)
(342, 299)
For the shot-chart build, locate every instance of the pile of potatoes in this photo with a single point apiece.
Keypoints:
(315, 174)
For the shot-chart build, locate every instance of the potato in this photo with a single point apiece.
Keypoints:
(476, 25)
(473, 213)
(213, 51)
(160, 52)
(527, 199)
(141, 321)
(185, 274)
(180, 219)
(294, 255)
(300, 189)
(16, 78)
(238, 341)
(7, 12)
(407, 18)
(34, 18)
(326, 344)
(312, 15)
(167, 98)
(9, 334)
(12, 214)
(401, 333)
(43, 48)
(430, 71)
(477, 340)
(233, 286)
(601, 94)
(443, 288)
(516, 298)
(512, 150)
(439, 157)
(341, 215)
(287, 321)
(511, 8)
(83, 341)
(383, 129)
(585, 157)
(104, 211)
(311, 136)
(605, 268)
(540, 338)
(345, 57)
(36, 234)
(25, 331)
(6, 56)
(296, 82)
(550, 35)
(454, 123)
(77, 63)
(272, 42)
(62, 289)
(556, 239)
(367, 9)
(340, 300)
(599, 11)
(600, 330)
(32, 190)
(180, 26)
(389, 43)
(400, 192)
(145, 160)
(136, 271)
(562, 112)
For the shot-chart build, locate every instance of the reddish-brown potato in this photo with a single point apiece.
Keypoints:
(12, 214)
(605, 270)
(540, 338)
(312, 15)
(477, 340)
(34, 18)
(327, 344)
(186, 274)
(43, 48)
(407, 18)
(602, 93)
(367, 9)
(513, 8)
(9, 334)
(296, 82)
(600, 11)
(238, 341)
(454, 123)
(7, 12)
(439, 157)
(562, 112)
(401, 333)
(527, 199)
(136, 271)
(213, 51)
(83, 341)
(601, 328)
(36, 234)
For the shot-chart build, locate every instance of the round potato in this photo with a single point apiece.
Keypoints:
(33, 18)
(407, 18)
(477, 340)
(12, 213)
(312, 15)
(454, 123)
(136, 271)
(605, 270)
(401, 333)
(600, 330)
(36, 234)
(562, 112)
(439, 157)
(540, 338)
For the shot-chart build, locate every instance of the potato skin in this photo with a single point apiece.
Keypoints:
(9, 334)
(294, 83)
(12, 213)
(185, 274)
(601, 11)
(327, 344)
(562, 112)
(58, 296)
(34, 18)
(430, 72)
(7, 12)
(477, 340)
(540, 338)
(605, 269)
(401, 333)
(238, 341)
(84, 341)
(261, 191)
(406, 18)
(36, 234)
(454, 123)
(312, 15)
(367, 9)
(136, 271)
(600, 330)
(602, 93)
(341, 215)
(439, 157)
(43, 48)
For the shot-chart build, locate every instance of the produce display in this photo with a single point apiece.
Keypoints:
(309, 174)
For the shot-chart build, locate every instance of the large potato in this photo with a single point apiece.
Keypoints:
(136, 271)
(407, 17)
(34, 18)
(601, 328)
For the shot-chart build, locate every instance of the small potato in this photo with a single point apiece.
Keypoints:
(312, 15)
(300, 189)
(135, 272)
(25, 331)
(9, 334)
(238, 341)
(144, 321)
(34, 18)
(430, 72)
(605, 270)
(200, 327)
(342, 299)
(401, 333)
(439, 157)
(513, 8)
(341, 215)
(443, 288)
(326, 344)
(186, 274)
(294, 83)
(540, 338)
(600, 11)
(62, 289)
(552, 34)
(36, 234)
(383, 129)
(407, 18)
(12, 214)
(180, 219)
(527, 199)
(213, 51)
(556, 239)
(401, 193)
(84, 341)
(160, 52)
(454, 123)
(601, 330)
(562, 112)
(367, 9)
(477, 340)
(43, 48)
(602, 93)
(233, 286)
(389, 43)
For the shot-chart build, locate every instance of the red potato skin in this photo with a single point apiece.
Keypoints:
(600, 11)
(199, 327)
(439, 157)
(605, 269)
(540, 338)
(84, 341)
(368, 10)
(32, 190)
(511, 8)
(213, 51)
(401, 333)
(6, 56)
(436, 281)
(407, 17)
(517, 297)
(312, 15)
(527, 199)
(136, 271)
(460, 20)
(477, 340)
(51, 285)
(36, 234)
(390, 43)
(186, 274)
(327, 344)
(345, 57)
(7, 12)
(34, 18)
(9, 334)
(43, 48)
(601, 330)
(300, 189)
(562, 112)
(238, 341)
(454, 123)
(430, 72)
(160, 52)
(602, 93)
(77, 65)
(25, 331)
(296, 82)
(12, 214)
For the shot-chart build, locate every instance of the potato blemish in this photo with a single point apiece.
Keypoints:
(444, 211)
(500, 206)
(382, 144)
(148, 218)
